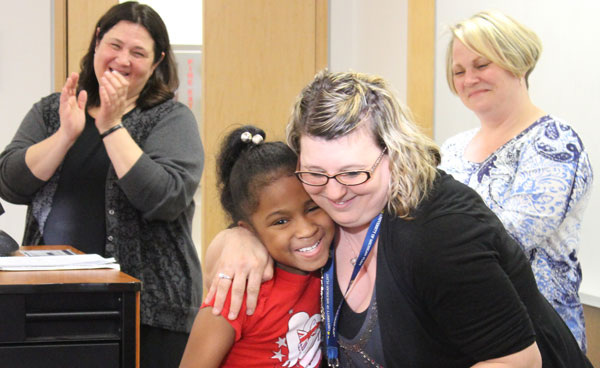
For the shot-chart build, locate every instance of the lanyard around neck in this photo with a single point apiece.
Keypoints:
(329, 279)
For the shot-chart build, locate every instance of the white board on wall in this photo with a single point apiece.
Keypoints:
(565, 83)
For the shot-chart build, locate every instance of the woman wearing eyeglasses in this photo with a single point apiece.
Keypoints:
(422, 273)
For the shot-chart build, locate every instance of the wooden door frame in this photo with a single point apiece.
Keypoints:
(80, 16)
(420, 66)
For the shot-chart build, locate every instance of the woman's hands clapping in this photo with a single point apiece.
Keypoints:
(122, 150)
(72, 109)
(44, 157)
(113, 100)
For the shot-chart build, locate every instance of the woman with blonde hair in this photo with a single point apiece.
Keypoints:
(529, 167)
(422, 273)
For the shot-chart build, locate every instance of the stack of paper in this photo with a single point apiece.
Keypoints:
(68, 262)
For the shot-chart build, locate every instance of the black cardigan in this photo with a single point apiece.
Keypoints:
(453, 288)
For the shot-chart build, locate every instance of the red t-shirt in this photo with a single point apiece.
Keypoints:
(285, 329)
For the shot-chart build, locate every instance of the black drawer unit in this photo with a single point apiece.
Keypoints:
(69, 325)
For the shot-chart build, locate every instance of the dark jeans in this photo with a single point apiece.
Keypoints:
(160, 348)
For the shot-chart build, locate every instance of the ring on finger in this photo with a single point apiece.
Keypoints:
(224, 276)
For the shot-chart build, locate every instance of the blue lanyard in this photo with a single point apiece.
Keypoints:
(329, 279)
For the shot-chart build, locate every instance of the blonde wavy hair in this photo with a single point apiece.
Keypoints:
(500, 39)
(335, 104)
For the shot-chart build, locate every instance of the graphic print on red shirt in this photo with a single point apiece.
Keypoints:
(285, 329)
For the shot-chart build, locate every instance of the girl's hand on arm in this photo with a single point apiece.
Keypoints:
(238, 253)
(210, 341)
(529, 357)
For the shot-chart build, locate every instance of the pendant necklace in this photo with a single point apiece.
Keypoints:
(355, 258)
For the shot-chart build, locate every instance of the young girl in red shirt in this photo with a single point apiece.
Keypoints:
(260, 192)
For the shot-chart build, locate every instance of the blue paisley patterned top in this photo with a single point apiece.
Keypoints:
(537, 184)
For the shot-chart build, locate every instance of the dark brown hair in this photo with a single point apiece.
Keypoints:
(162, 83)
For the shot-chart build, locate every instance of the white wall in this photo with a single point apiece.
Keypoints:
(566, 83)
(369, 37)
(183, 19)
(25, 77)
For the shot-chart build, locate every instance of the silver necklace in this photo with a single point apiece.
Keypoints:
(355, 258)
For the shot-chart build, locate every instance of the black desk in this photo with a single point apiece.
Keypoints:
(74, 318)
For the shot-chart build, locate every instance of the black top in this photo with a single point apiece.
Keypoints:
(453, 288)
(352, 321)
(77, 214)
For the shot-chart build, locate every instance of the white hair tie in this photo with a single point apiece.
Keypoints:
(247, 137)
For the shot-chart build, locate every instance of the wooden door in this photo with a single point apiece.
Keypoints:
(257, 57)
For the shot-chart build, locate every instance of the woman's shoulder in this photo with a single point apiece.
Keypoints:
(451, 222)
(50, 102)
(54, 96)
(448, 197)
(552, 127)
(167, 107)
(448, 209)
(48, 109)
(552, 136)
(452, 152)
(458, 141)
(170, 114)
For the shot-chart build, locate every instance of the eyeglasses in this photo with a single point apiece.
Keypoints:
(348, 178)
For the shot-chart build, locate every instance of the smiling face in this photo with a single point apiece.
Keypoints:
(352, 207)
(128, 49)
(481, 84)
(295, 231)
